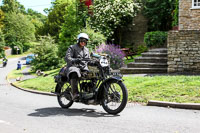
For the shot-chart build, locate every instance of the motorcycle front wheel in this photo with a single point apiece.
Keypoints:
(115, 97)
(64, 97)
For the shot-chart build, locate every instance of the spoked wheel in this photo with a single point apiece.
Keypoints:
(115, 97)
(64, 98)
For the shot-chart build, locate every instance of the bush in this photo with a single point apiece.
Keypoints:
(112, 14)
(155, 38)
(115, 53)
(46, 57)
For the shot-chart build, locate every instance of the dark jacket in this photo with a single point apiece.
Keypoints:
(73, 52)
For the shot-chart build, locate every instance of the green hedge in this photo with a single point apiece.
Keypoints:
(155, 38)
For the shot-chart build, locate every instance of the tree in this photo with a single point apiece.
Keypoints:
(1, 18)
(111, 15)
(37, 19)
(20, 26)
(73, 23)
(55, 19)
(18, 30)
(21, 8)
(12, 6)
(2, 43)
(159, 13)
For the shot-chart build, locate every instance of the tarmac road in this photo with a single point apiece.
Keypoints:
(24, 112)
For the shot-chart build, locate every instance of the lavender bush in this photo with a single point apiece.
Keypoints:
(116, 55)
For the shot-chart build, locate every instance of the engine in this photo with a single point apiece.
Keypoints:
(87, 86)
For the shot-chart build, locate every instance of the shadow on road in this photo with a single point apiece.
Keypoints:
(55, 111)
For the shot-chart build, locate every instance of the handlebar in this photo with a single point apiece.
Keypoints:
(86, 59)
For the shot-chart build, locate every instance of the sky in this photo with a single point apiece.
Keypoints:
(36, 5)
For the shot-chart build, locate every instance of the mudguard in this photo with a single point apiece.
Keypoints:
(58, 88)
(101, 88)
(60, 80)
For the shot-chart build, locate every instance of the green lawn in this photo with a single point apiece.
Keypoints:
(183, 89)
(164, 88)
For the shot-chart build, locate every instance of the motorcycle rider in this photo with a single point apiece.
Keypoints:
(75, 65)
(5, 61)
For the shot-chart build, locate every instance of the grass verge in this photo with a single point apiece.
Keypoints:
(40, 83)
(16, 73)
(181, 89)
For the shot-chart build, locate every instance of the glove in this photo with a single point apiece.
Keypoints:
(76, 60)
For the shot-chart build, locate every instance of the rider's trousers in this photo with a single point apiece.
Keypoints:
(74, 83)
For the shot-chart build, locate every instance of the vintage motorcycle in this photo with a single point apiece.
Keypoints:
(98, 86)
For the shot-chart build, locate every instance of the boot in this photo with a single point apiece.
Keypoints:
(74, 85)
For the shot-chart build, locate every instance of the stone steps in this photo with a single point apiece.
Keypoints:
(153, 61)
(154, 54)
(158, 50)
(142, 70)
(146, 65)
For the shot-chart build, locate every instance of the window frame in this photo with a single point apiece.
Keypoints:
(195, 7)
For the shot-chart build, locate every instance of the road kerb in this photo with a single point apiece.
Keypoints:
(29, 90)
(195, 106)
(34, 91)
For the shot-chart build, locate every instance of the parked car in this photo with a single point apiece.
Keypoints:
(29, 58)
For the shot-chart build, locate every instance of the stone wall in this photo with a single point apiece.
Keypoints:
(184, 51)
(189, 19)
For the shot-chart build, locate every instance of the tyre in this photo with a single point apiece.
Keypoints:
(64, 98)
(115, 97)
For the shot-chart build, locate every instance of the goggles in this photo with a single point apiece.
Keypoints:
(83, 40)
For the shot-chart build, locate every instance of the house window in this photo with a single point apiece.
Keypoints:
(195, 3)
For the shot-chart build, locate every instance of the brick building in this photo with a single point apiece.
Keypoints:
(184, 44)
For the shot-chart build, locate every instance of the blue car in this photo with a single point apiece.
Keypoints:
(29, 58)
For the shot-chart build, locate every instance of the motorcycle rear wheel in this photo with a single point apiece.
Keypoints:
(64, 97)
(115, 97)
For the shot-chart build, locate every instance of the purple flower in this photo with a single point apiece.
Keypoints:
(116, 54)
